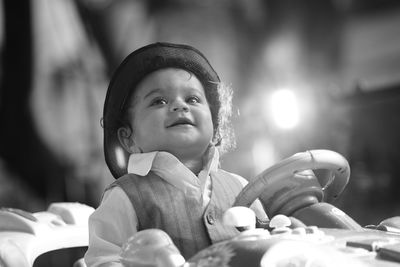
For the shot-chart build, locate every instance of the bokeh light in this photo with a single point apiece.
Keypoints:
(283, 106)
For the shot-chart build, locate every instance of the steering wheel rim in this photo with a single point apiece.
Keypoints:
(308, 160)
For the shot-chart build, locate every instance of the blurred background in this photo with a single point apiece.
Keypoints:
(311, 74)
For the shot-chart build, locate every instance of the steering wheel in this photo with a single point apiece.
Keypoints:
(290, 185)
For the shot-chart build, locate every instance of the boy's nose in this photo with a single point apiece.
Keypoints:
(179, 106)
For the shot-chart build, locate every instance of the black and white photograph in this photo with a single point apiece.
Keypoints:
(200, 133)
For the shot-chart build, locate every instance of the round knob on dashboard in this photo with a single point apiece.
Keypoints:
(280, 224)
(279, 221)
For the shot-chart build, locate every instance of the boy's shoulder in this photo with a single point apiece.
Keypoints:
(121, 180)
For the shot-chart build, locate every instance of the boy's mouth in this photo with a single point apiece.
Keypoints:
(181, 121)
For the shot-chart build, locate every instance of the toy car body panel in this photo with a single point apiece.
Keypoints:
(24, 236)
(309, 246)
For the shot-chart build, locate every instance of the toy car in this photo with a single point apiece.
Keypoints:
(304, 230)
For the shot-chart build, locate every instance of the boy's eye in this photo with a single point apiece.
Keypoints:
(193, 100)
(158, 101)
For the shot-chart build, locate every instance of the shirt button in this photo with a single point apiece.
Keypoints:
(210, 218)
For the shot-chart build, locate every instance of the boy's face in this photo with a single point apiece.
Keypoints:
(170, 113)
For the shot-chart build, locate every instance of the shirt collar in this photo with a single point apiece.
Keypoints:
(169, 168)
(142, 163)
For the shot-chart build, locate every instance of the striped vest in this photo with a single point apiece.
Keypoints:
(159, 204)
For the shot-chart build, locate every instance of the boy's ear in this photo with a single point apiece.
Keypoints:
(126, 140)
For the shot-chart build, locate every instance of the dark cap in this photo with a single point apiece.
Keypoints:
(131, 71)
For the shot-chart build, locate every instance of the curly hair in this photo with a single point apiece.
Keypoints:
(224, 134)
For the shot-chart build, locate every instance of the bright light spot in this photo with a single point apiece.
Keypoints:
(284, 109)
